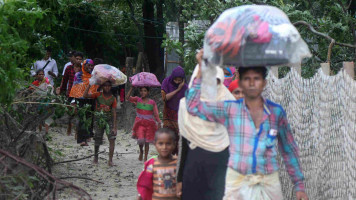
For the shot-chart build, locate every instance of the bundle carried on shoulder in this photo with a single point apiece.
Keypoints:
(104, 72)
(145, 79)
(254, 35)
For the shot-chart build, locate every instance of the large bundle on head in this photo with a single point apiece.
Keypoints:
(104, 72)
(254, 35)
(145, 79)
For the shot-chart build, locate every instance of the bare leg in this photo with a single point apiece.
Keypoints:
(141, 153)
(40, 128)
(69, 129)
(96, 156)
(147, 148)
(111, 152)
(46, 128)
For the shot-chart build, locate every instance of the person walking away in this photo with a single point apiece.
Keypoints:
(68, 79)
(146, 122)
(255, 126)
(235, 90)
(158, 179)
(105, 102)
(173, 89)
(48, 65)
(203, 154)
(84, 128)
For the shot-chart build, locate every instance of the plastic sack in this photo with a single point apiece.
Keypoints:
(104, 72)
(254, 35)
(145, 79)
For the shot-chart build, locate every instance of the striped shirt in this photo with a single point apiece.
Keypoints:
(164, 180)
(253, 150)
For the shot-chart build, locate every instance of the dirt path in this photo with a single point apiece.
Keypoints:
(119, 181)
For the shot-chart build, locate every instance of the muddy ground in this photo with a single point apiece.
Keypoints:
(119, 182)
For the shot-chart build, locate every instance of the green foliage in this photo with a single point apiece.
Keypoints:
(16, 186)
(17, 21)
(326, 16)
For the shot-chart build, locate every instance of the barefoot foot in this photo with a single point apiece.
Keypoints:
(111, 164)
(140, 157)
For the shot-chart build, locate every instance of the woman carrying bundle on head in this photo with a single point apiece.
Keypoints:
(147, 119)
(173, 90)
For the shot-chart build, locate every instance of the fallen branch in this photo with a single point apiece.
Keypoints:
(79, 177)
(311, 28)
(24, 102)
(66, 161)
(46, 175)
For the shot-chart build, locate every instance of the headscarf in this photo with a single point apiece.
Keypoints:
(86, 76)
(169, 86)
(234, 84)
(81, 81)
(228, 78)
(210, 136)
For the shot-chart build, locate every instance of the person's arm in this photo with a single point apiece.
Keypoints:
(113, 111)
(170, 95)
(54, 71)
(86, 94)
(65, 80)
(209, 111)
(129, 94)
(156, 114)
(34, 69)
(290, 153)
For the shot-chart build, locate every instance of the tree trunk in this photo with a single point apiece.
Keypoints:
(160, 31)
(181, 32)
(149, 33)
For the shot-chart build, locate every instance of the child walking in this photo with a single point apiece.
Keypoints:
(158, 179)
(42, 83)
(145, 125)
(105, 102)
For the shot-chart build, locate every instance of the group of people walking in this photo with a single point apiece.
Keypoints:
(221, 148)
(228, 145)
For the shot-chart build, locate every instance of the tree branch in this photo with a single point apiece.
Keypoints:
(342, 6)
(79, 177)
(311, 28)
(66, 161)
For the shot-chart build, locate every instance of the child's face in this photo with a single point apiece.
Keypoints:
(40, 76)
(106, 87)
(77, 68)
(143, 92)
(164, 145)
(238, 93)
(79, 59)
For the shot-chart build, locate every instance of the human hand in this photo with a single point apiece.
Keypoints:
(58, 91)
(199, 58)
(139, 197)
(180, 86)
(52, 74)
(301, 195)
(179, 190)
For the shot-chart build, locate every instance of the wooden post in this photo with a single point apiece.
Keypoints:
(349, 68)
(274, 71)
(325, 67)
(127, 107)
(298, 68)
